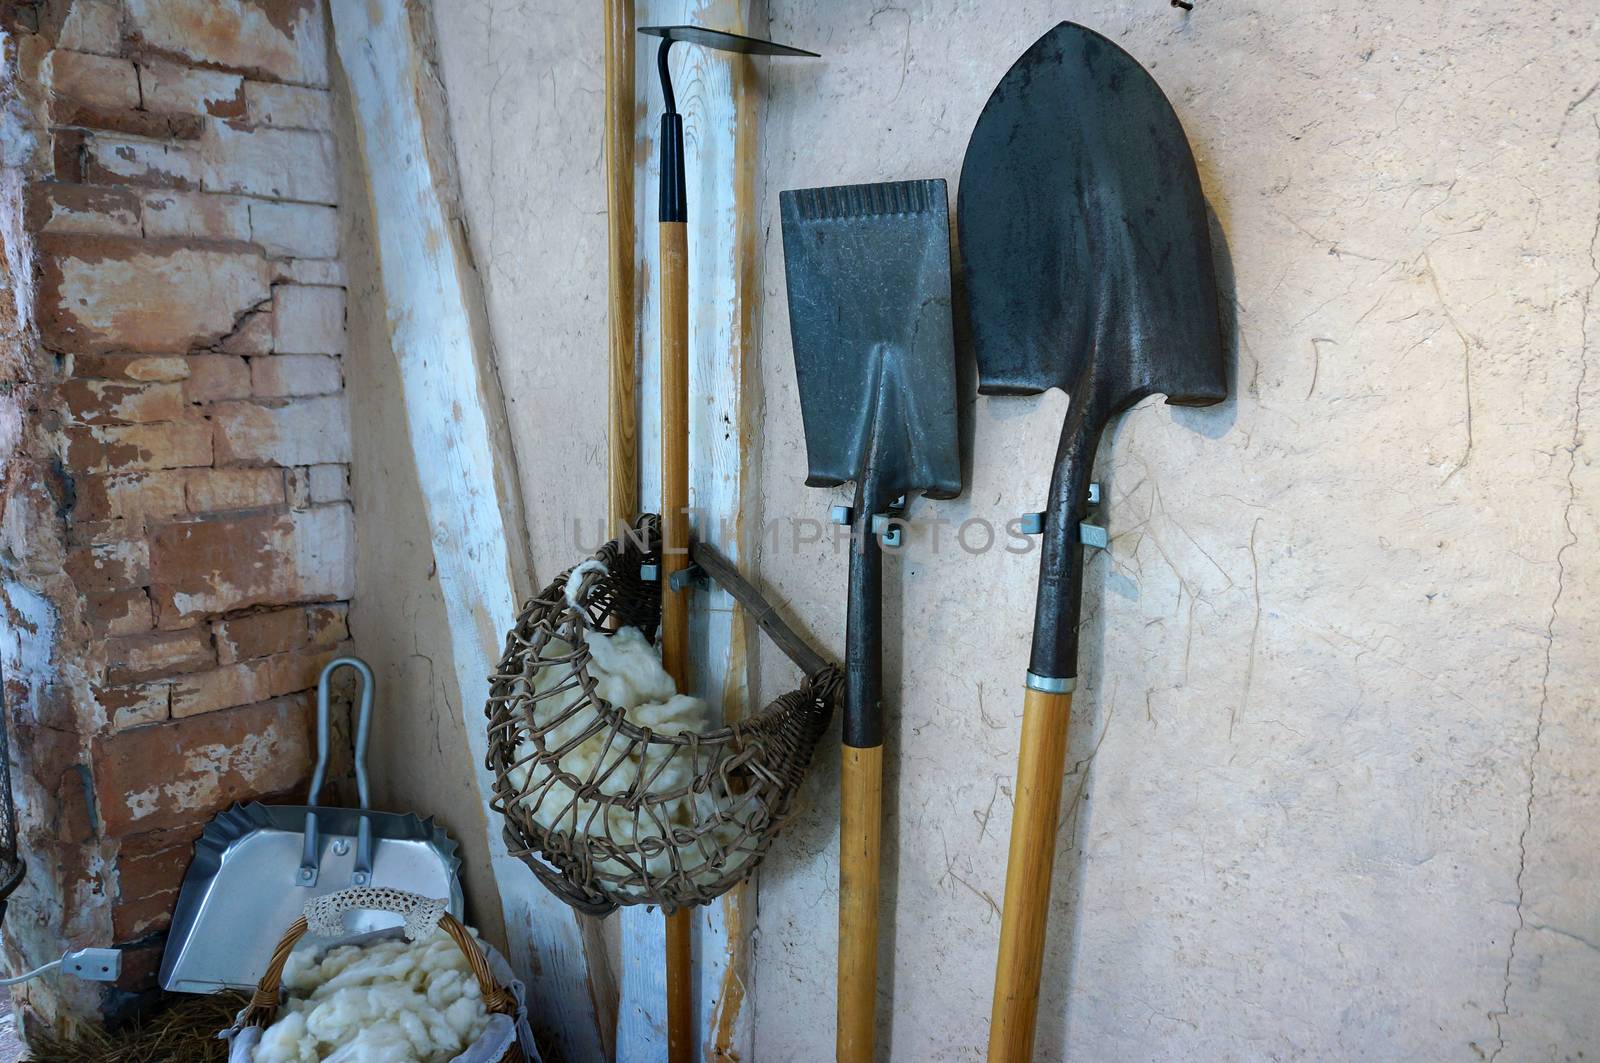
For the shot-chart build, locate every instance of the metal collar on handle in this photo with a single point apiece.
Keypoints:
(311, 851)
(1051, 685)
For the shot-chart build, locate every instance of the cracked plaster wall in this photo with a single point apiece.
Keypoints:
(1332, 788)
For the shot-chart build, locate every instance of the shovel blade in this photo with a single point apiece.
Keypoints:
(868, 273)
(1084, 238)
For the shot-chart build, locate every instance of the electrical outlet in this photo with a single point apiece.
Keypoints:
(93, 965)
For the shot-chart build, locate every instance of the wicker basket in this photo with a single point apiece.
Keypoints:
(420, 913)
(616, 835)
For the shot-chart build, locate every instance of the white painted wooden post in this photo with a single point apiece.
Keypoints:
(456, 421)
(713, 98)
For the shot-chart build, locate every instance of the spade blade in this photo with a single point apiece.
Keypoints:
(1083, 233)
(868, 271)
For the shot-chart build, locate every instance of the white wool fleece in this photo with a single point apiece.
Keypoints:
(385, 1002)
(627, 673)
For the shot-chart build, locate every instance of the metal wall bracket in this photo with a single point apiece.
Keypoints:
(1091, 535)
(689, 576)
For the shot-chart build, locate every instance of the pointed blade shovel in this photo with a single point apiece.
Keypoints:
(868, 271)
(1087, 260)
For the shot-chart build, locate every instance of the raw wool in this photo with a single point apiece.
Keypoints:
(385, 1002)
(627, 673)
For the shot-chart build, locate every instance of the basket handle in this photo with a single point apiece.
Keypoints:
(330, 911)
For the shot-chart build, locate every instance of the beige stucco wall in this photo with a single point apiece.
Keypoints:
(1332, 788)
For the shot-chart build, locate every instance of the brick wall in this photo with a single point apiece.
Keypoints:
(177, 537)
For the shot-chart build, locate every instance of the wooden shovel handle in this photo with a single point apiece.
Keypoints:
(860, 840)
(1028, 866)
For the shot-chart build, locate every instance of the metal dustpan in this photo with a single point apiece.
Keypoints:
(256, 866)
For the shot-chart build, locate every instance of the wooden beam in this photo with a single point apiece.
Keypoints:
(456, 420)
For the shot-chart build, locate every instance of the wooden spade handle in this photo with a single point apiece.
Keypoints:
(860, 834)
(1028, 866)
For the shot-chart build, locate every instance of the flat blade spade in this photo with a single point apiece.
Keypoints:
(868, 270)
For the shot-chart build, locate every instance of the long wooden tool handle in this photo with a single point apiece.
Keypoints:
(622, 467)
(1027, 897)
(860, 834)
(861, 787)
(674, 556)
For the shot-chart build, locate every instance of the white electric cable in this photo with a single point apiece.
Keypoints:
(36, 972)
(92, 965)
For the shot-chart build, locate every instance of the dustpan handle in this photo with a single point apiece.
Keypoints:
(311, 850)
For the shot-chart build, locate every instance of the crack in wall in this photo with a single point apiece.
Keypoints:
(1555, 605)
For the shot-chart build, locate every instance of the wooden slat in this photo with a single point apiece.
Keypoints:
(456, 421)
(622, 419)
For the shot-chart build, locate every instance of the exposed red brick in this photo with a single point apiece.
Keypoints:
(135, 705)
(150, 870)
(154, 862)
(72, 795)
(92, 26)
(91, 401)
(207, 762)
(219, 490)
(109, 566)
(169, 445)
(130, 496)
(262, 634)
(129, 123)
(110, 159)
(298, 483)
(120, 612)
(214, 377)
(87, 209)
(131, 658)
(248, 681)
(186, 90)
(155, 296)
(252, 336)
(141, 967)
(279, 40)
(94, 79)
(145, 367)
(218, 566)
(327, 625)
(69, 155)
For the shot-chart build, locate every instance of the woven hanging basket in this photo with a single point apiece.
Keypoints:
(622, 827)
